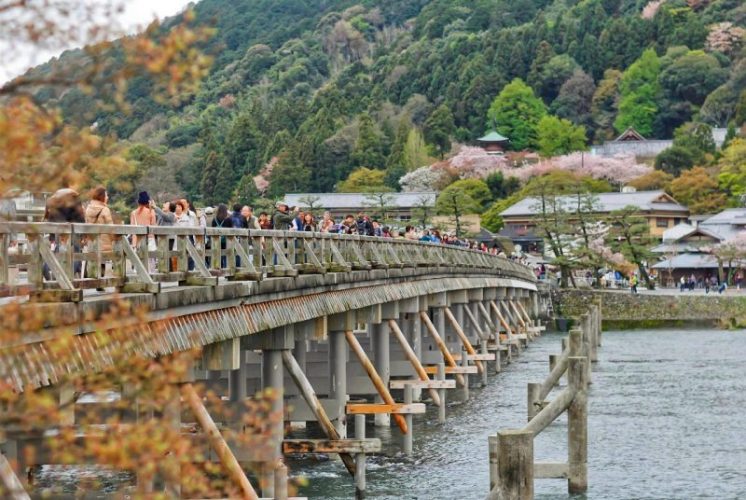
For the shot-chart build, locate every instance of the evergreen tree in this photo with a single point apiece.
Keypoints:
(439, 128)
(557, 136)
(515, 113)
(396, 163)
(640, 92)
(369, 147)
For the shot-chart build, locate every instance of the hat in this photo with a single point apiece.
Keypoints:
(281, 204)
(143, 198)
(209, 210)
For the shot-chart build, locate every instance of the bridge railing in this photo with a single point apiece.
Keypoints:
(52, 261)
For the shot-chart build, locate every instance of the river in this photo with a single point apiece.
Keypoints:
(666, 421)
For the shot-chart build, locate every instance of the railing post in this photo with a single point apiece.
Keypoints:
(577, 427)
(515, 465)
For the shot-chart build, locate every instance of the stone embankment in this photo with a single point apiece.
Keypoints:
(647, 308)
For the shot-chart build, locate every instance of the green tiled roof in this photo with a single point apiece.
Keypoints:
(492, 136)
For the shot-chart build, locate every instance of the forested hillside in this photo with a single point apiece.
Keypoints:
(304, 92)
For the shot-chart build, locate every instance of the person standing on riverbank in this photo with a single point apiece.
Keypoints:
(633, 284)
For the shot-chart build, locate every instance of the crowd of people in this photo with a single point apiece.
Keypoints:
(67, 206)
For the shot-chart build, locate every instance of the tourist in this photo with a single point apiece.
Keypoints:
(327, 223)
(633, 284)
(237, 219)
(723, 287)
(143, 215)
(348, 225)
(181, 214)
(410, 233)
(264, 221)
(364, 225)
(164, 217)
(97, 212)
(308, 223)
(283, 217)
(191, 212)
(247, 213)
(222, 220)
(739, 279)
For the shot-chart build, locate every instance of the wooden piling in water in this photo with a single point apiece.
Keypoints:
(360, 458)
(577, 427)
(515, 465)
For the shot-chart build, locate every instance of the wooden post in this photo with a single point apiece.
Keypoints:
(309, 395)
(408, 435)
(235, 472)
(515, 465)
(12, 483)
(379, 338)
(412, 357)
(447, 357)
(281, 480)
(465, 362)
(464, 339)
(380, 386)
(483, 350)
(577, 427)
(360, 458)
(534, 400)
(441, 375)
(338, 378)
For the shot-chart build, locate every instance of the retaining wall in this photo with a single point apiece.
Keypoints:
(622, 306)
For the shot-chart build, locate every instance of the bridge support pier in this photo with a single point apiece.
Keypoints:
(272, 344)
(338, 325)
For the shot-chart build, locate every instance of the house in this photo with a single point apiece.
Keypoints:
(398, 206)
(23, 205)
(658, 208)
(631, 142)
(687, 249)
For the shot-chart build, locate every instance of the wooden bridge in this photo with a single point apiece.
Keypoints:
(270, 310)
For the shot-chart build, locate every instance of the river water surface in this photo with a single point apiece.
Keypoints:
(666, 421)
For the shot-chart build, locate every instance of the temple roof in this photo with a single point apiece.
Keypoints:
(493, 136)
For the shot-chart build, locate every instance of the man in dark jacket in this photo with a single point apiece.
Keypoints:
(282, 218)
(364, 225)
(237, 219)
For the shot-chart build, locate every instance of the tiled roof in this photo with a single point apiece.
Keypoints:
(607, 202)
(689, 261)
(360, 200)
(493, 136)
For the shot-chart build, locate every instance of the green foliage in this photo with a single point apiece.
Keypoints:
(639, 94)
(370, 145)
(698, 190)
(674, 160)
(439, 128)
(516, 113)
(557, 136)
(325, 85)
(693, 76)
(455, 201)
(732, 177)
(500, 187)
(364, 180)
(629, 234)
(697, 138)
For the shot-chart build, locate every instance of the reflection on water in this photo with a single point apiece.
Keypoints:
(666, 422)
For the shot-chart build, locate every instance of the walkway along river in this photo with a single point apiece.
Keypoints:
(665, 422)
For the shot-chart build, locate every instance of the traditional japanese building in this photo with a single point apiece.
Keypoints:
(493, 143)
(658, 208)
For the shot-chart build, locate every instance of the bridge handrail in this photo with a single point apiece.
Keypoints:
(63, 259)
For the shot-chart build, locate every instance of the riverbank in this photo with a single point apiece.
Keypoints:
(654, 309)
